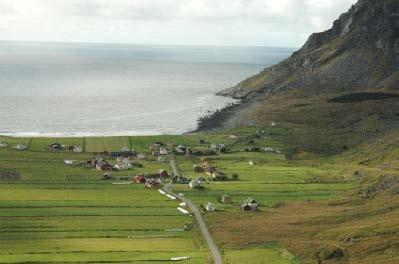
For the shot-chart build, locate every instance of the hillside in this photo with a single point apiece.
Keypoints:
(339, 89)
(360, 52)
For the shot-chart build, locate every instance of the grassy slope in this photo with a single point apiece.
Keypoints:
(346, 138)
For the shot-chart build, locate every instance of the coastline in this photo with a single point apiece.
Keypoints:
(228, 117)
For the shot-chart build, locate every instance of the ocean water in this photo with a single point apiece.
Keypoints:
(58, 89)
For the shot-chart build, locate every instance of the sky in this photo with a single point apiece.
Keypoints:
(283, 23)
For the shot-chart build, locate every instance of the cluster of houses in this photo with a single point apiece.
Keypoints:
(208, 169)
(213, 149)
(262, 149)
(158, 149)
(19, 146)
(59, 147)
(249, 204)
(123, 160)
(101, 164)
(151, 181)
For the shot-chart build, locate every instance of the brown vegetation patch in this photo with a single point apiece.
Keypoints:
(319, 232)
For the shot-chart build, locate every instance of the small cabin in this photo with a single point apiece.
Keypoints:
(163, 151)
(210, 207)
(21, 147)
(250, 204)
(55, 147)
(225, 199)
(151, 183)
(196, 184)
(163, 173)
(139, 179)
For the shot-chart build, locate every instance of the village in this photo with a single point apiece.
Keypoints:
(118, 165)
(157, 189)
(127, 158)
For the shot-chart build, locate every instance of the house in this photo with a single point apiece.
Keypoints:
(151, 183)
(196, 184)
(21, 147)
(77, 149)
(55, 147)
(225, 199)
(250, 204)
(69, 162)
(181, 180)
(107, 176)
(181, 149)
(221, 148)
(139, 179)
(252, 149)
(210, 207)
(232, 136)
(3, 144)
(123, 163)
(163, 151)
(272, 123)
(102, 165)
(268, 149)
(161, 159)
(219, 176)
(163, 173)
(208, 168)
(142, 156)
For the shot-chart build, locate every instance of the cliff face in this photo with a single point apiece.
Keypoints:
(360, 52)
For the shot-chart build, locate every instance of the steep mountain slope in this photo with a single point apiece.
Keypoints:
(360, 51)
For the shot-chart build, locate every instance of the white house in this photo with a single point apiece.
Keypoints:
(69, 162)
(3, 144)
(21, 147)
(210, 207)
(195, 184)
(77, 149)
(163, 151)
(123, 163)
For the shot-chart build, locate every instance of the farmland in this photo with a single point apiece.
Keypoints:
(54, 213)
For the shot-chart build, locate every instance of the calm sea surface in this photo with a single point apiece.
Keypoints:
(106, 89)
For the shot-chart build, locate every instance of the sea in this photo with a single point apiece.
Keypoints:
(86, 89)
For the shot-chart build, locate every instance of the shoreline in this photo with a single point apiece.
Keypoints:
(212, 121)
(220, 118)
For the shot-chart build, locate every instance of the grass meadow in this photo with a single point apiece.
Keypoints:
(56, 213)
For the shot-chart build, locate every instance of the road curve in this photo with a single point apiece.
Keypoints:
(194, 209)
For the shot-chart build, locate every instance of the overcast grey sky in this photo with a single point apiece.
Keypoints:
(187, 22)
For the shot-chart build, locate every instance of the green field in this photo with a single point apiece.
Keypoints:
(54, 213)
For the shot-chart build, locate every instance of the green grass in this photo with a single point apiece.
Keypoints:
(65, 214)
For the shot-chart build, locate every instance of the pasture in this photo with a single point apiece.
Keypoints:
(56, 213)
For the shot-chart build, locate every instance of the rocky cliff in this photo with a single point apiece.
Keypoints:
(360, 52)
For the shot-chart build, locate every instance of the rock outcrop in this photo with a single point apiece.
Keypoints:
(360, 52)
